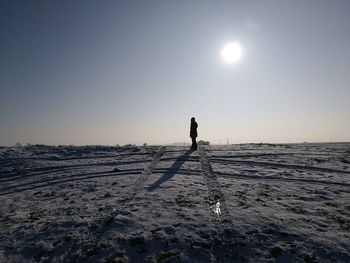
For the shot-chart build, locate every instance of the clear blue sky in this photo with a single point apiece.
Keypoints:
(108, 72)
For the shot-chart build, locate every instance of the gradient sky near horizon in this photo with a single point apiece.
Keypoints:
(118, 72)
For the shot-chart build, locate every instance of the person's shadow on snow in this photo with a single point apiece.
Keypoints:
(170, 172)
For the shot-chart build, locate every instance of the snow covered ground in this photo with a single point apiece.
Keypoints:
(237, 203)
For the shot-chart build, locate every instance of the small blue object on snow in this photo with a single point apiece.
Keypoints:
(114, 210)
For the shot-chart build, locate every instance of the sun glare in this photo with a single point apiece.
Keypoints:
(231, 53)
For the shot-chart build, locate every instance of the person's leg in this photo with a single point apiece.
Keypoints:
(193, 143)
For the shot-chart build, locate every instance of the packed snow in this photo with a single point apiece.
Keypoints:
(232, 203)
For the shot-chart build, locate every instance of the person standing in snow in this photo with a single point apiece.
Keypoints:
(193, 133)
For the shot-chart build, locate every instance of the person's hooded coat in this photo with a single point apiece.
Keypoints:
(193, 131)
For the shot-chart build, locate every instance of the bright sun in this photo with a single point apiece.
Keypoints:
(231, 53)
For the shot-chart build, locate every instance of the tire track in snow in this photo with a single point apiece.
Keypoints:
(48, 169)
(278, 165)
(226, 242)
(104, 223)
(137, 185)
(42, 183)
(216, 200)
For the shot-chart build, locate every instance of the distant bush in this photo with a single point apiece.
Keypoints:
(40, 145)
(18, 144)
(129, 145)
(201, 142)
(145, 144)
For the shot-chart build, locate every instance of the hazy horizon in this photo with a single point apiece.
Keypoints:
(120, 72)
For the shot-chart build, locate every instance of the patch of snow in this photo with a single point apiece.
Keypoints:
(248, 202)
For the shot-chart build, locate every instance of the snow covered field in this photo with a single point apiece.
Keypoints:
(237, 203)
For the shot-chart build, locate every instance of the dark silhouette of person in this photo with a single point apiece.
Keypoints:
(193, 133)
